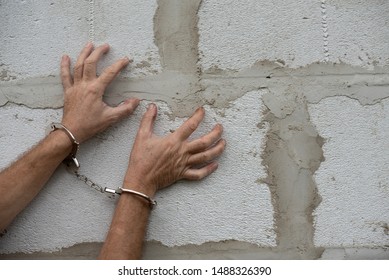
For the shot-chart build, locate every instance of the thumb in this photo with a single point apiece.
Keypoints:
(147, 123)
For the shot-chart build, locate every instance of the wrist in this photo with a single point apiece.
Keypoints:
(71, 159)
(61, 142)
(139, 186)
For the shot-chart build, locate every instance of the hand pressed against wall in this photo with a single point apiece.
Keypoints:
(157, 162)
(85, 112)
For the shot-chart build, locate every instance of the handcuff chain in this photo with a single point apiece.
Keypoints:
(88, 182)
(93, 185)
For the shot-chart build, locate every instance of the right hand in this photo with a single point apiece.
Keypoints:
(157, 162)
(85, 112)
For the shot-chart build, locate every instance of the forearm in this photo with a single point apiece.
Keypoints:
(22, 181)
(128, 228)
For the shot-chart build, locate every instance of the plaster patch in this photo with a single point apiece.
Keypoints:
(352, 180)
(176, 34)
(229, 250)
(292, 154)
(217, 88)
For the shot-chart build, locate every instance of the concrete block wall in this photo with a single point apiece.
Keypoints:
(301, 88)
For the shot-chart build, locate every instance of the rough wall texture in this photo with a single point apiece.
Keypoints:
(301, 88)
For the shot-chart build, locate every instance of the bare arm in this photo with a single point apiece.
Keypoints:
(156, 163)
(21, 182)
(85, 114)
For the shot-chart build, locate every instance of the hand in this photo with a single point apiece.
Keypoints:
(85, 113)
(157, 162)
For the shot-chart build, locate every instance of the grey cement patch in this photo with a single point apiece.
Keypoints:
(219, 87)
(228, 249)
(176, 34)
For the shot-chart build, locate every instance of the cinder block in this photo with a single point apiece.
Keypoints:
(353, 180)
(235, 34)
(358, 32)
(35, 34)
(231, 204)
(128, 27)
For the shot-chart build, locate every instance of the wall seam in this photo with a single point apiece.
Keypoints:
(91, 21)
(324, 25)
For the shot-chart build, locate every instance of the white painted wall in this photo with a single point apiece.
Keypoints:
(231, 204)
(354, 179)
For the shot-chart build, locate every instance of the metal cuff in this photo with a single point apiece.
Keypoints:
(71, 160)
(152, 202)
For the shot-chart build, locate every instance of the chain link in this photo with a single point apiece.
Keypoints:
(89, 182)
(92, 184)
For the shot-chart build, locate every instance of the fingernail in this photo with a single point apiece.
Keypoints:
(130, 60)
(121, 103)
(88, 45)
(151, 106)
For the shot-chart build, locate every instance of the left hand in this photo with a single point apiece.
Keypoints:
(157, 162)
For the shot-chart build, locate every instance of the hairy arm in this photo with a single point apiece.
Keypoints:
(22, 181)
(155, 163)
(85, 114)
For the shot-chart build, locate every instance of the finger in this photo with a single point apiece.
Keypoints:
(79, 67)
(112, 71)
(208, 155)
(206, 141)
(185, 130)
(198, 174)
(90, 65)
(123, 110)
(66, 77)
(147, 123)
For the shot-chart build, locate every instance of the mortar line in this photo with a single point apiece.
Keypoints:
(216, 76)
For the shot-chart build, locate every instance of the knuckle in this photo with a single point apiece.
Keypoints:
(90, 61)
(221, 146)
(109, 74)
(128, 110)
(203, 143)
(197, 176)
(65, 75)
(204, 157)
(171, 142)
(114, 118)
(112, 71)
(93, 88)
(78, 66)
(192, 126)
